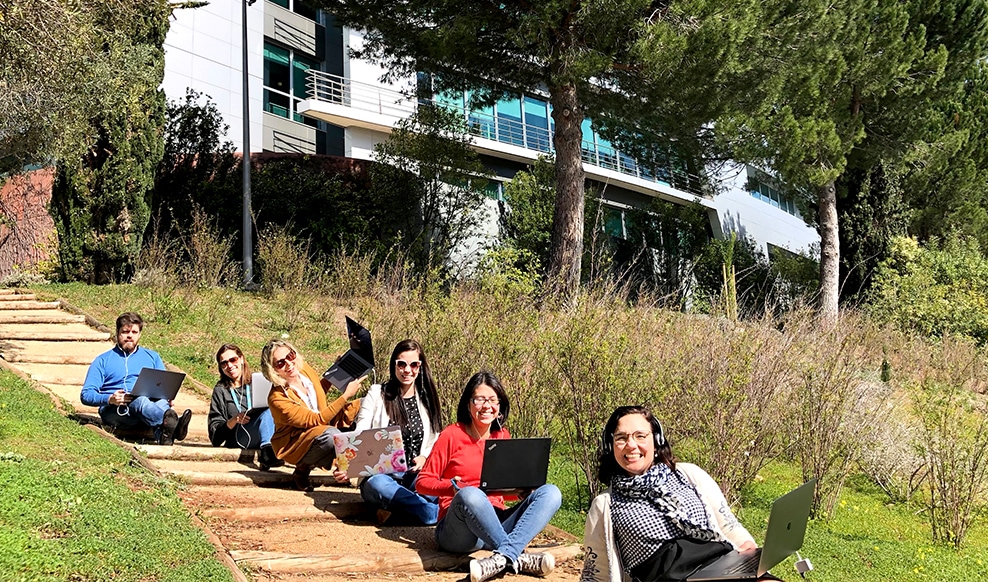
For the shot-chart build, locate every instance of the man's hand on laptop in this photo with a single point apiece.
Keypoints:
(119, 398)
(747, 546)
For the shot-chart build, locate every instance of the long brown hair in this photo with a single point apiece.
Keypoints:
(425, 388)
(244, 368)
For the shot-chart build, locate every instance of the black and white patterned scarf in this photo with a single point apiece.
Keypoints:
(652, 508)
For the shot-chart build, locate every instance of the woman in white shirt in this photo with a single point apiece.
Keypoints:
(409, 400)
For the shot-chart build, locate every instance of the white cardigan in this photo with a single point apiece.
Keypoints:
(372, 414)
(602, 559)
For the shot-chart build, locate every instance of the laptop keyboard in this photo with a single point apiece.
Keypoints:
(351, 366)
(748, 565)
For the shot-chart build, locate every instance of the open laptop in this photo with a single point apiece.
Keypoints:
(784, 536)
(357, 361)
(515, 464)
(373, 451)
(260, 387)
(157, 384)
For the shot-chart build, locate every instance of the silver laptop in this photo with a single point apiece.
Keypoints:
(157, 384)
(356, 362)
(515, 464)
(784, 536)
(260, 387)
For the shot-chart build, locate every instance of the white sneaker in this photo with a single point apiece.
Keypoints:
(486, 568)
(540, 564)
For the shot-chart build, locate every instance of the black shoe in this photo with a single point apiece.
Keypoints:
(166, 434)
(301, 477)
(182, 430)
(266, 459)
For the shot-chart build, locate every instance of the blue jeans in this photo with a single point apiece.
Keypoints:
(256, 433)
(472, 523)
(140, 413)
(396, 492)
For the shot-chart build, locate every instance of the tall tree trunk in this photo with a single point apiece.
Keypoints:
(567, 221)
(829, 254)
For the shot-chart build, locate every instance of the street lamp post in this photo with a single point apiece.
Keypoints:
(247, 230)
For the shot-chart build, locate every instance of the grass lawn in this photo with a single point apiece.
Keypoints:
(868, 539)
(73, 508)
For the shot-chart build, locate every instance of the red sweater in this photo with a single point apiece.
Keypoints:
(455, 453)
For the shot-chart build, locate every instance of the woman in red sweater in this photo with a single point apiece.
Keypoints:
(469, 519)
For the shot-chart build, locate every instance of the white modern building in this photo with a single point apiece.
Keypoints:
(308, 96)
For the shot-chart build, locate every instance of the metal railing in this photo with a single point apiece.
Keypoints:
(376, 99)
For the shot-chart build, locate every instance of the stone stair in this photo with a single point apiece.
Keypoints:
(270, 530)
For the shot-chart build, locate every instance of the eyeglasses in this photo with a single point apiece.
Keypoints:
(621, 439)
(229, 362)
(480, 400)
(289, 357)
(402, 364)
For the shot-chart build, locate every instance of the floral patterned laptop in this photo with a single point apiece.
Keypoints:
(371, 452)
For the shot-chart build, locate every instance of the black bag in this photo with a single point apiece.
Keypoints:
(677, 559)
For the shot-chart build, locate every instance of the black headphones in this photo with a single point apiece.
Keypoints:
(657, 433)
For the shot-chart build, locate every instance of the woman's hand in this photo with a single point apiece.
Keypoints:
(340, 476)
(353, 387)
(241, 418)
(417, 463)
(748, 545)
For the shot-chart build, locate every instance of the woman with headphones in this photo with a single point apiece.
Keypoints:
(659, 519)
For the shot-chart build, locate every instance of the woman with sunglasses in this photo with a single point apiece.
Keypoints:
(229, 423)
(469, 518)
(408, 399)
(304, 421)
(658, 519)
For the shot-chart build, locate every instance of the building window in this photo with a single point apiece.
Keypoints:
(284, 82)
(614, 222)
(770, 195)
(296, 6)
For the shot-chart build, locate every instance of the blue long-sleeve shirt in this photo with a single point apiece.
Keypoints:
(114, 370)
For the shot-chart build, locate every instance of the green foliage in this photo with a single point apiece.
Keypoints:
(936, 290)
(80, 511)
(525, 214)
(447, 184)
(100, 202)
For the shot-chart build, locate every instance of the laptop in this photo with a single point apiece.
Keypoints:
(374, 451)
(157, 384)
(260, 387)
(784, 536)
(357, 361)
(515, 464)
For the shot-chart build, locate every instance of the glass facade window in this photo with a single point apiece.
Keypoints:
(284, 82)
(537, 124)
(770, 195)
(614, 222)
(296, 6)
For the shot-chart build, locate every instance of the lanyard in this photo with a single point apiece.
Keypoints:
(236, 399)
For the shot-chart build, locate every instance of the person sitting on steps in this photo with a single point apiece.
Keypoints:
(469, 518)
(228, 423)
(111, 378)
(304, 421)
(408, 399)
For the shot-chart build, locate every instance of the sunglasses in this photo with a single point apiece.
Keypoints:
(227, 363)
(289, 357)
(402, 364)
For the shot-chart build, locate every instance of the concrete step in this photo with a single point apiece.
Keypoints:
(18, 305)
(50, 352)
(375, 559)
(237, 474)
(57, 374)
(28, 316)
(59, 332)
(70, 392)
(198, 452)
(13, 295)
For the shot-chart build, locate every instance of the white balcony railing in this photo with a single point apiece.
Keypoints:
(373, 98)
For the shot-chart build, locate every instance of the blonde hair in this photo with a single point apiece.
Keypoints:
(267, 363)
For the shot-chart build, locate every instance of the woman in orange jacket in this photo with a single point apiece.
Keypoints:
(305, 420)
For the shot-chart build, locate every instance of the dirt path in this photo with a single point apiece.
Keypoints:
(270, 530)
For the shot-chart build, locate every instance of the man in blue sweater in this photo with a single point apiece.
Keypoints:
(111, 378)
